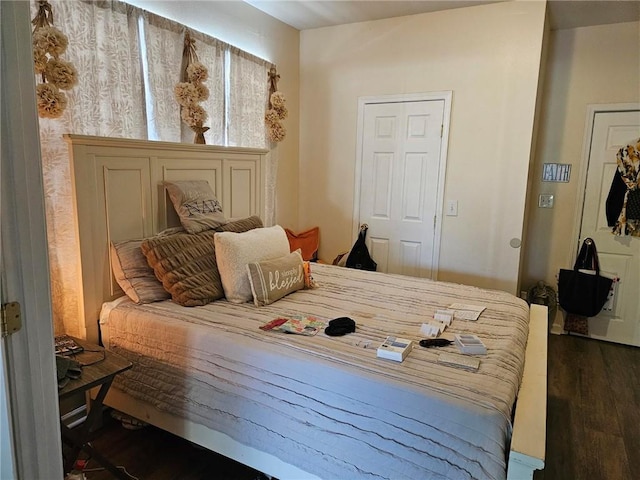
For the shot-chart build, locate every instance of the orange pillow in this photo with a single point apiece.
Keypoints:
(307, 241)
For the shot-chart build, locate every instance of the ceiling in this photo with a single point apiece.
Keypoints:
(306, 14)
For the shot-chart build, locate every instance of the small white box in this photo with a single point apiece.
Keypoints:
(394, 348)
(470, 345)
(432, 329)
(444, 316)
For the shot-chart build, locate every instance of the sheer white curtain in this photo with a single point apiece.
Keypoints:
(248, 99)
(163, 50)
(248, 90)
(107, 101)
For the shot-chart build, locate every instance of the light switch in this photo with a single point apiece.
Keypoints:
(545, 201)
(452, 208)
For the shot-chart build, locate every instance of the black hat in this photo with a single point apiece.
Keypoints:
(340, 326)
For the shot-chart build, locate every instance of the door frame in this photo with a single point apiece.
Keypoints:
(29, 382)
(446, 96)
(592, 110)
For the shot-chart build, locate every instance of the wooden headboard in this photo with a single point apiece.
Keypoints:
(118, 196)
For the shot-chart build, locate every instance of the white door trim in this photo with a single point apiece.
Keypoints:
(446, 96)
(30, 361)
(592, 110)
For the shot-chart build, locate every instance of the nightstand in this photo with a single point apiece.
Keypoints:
(100, 367)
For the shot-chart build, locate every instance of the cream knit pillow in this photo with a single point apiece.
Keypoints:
(234, 251)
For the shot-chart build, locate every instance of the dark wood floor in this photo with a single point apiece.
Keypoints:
(152, 454)
(593, 410)
(593, 424)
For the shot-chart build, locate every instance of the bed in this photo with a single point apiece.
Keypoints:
(296, 406)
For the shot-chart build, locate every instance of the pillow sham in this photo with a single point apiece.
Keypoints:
(186, 263)
(271, 280)
(196, 205)
(235, 250)
(133, 273)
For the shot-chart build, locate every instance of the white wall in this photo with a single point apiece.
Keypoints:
(587, 65)
(248, 28)
(489, 56)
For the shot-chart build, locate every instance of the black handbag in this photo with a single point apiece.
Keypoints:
(583, 293)
(359, 256)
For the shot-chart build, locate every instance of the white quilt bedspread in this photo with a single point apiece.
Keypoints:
(326, 404)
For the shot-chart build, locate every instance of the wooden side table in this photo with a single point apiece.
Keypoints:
(100, 368)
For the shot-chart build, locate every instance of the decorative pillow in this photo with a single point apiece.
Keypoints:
(273, 279)
(307, 241)
(133, 273)
(235, 250)
(195, 204)
(186, 264)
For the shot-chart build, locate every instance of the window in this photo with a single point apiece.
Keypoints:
(237, 84)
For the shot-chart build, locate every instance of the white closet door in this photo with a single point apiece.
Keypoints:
(399, 183)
